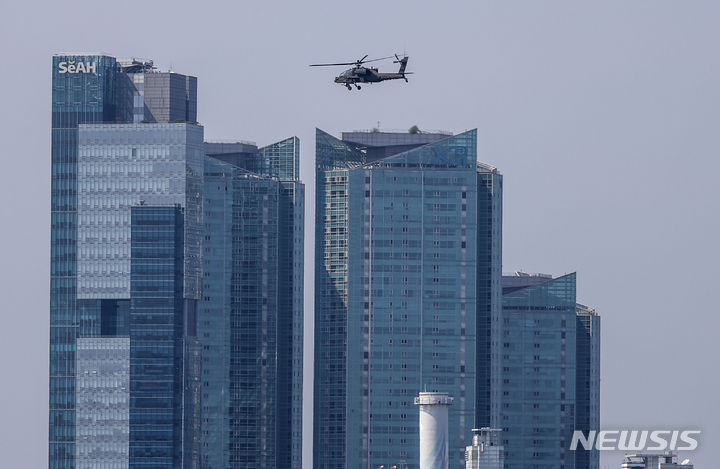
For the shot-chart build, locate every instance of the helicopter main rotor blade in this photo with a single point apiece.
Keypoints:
(357, 62)
(375, 60)
(332, 65)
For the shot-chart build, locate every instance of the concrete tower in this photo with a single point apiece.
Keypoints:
(434, 429)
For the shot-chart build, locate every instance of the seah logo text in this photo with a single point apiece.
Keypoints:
(77, 67)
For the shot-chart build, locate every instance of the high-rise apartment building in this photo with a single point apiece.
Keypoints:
(251, 315)
(550, 372)
(407, 292)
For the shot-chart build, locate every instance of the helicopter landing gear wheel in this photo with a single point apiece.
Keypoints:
(358, 86)
(348, 87)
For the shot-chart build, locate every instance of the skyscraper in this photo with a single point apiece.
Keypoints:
(191, 325)
(407, 292)
(251, 316)
(550, 372)
(76, 97)
(102, 168)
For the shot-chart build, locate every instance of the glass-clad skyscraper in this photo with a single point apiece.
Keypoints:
(101, 168)
(407, 292)
(77, 97)
(251, 314)
(550, 372)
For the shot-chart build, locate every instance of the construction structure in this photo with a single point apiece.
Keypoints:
(486, 451)
(667, 460)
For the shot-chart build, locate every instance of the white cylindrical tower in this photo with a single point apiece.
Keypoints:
(433, 429)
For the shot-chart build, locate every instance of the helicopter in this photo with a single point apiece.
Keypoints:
(361, 74)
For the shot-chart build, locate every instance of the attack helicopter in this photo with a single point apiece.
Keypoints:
(361, 74)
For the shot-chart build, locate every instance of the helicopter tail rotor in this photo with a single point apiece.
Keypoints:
(403, 63)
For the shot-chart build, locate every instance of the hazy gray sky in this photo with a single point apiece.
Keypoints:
(603, 116)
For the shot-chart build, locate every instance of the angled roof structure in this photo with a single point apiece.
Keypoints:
(331, 153)
(440, 152)
(458, 151)
(558, 291)
(280, 160)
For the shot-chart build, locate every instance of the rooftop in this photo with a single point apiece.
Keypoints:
(520, 273)
(134, 65)
(63, 54)
(401, 131)
(405, 140)
(230, 142)
(581, 308)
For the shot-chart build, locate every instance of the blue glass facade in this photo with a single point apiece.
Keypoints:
(214, 321)
(77, 97)
(281, 160)
(238, 318)
(157, 326)
(587, 407)
(488, 385)
(401, 291)
(550, 372)
(250, 318)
